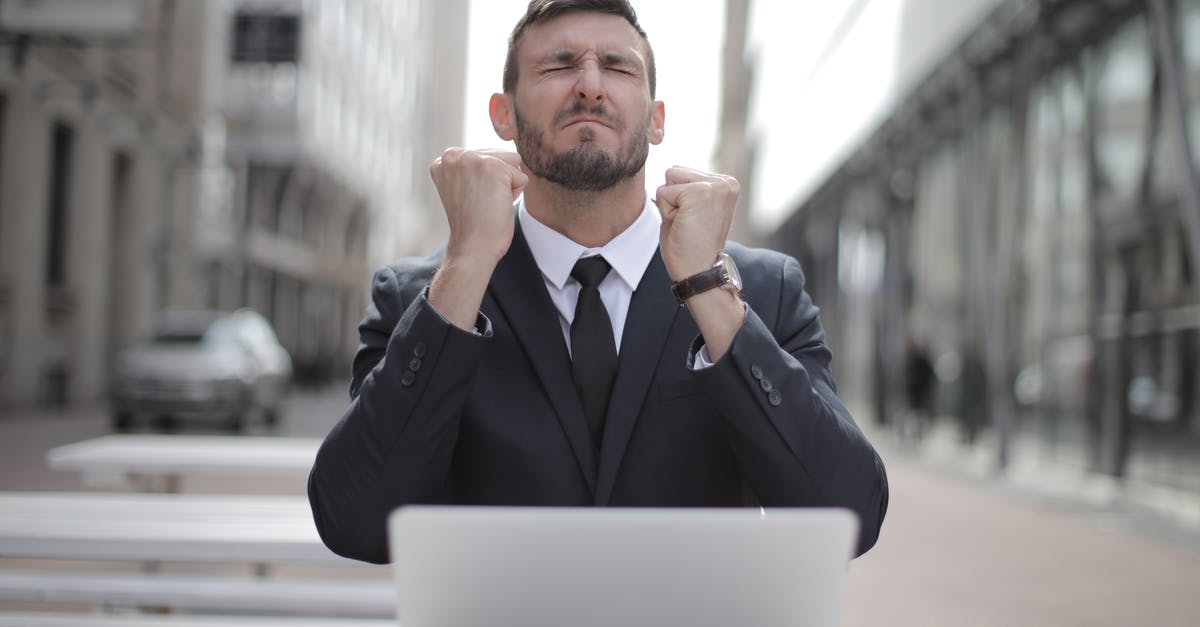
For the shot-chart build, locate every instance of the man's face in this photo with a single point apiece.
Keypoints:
(583, 114)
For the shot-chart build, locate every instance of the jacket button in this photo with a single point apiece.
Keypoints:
(408, 379)
(755, 371)
(765, 384)
(774, 398)
(415, 364)
(420, 349)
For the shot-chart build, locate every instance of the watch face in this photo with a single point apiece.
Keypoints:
(731, 271)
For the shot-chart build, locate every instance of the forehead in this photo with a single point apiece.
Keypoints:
(579, 32)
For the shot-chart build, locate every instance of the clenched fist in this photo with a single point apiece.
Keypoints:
(477, 188)
(697, 209)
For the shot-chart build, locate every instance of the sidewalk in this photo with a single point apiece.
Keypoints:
(961, 550)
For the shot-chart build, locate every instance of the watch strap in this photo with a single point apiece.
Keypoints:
(699, 283)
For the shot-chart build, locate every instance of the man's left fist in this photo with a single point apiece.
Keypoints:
(697, 209)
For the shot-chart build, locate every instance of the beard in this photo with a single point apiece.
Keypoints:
(586, 167)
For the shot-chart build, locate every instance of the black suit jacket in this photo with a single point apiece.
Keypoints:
(440, 415)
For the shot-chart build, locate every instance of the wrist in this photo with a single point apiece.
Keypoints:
(679, 269)
(720, 274)
(457, 288)
(719, 314)
(465, 258)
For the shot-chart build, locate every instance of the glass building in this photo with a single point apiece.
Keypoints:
(1028, 214)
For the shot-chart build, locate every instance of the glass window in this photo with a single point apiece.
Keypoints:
(1124, 76)
(1189, 38)
(3, 212)
(1054, 266)
(266, 38)
(935, 254)
(62, 140)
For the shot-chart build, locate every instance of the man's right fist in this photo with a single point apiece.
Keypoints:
(478, 188)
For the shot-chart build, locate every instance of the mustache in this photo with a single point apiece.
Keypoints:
(598, 111)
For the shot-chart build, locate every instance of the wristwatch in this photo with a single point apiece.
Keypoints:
(723, 274)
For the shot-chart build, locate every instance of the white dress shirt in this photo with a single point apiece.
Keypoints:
(629, 254)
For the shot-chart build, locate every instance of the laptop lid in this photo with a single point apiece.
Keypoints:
(607, 567)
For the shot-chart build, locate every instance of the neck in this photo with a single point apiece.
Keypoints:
(591, 219)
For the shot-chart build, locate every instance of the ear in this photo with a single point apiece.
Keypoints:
(658, 118)
(504, 119)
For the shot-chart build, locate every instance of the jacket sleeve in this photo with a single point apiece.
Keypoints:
(793, 437)
(395, 443)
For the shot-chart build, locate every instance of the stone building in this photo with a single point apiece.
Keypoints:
(167, 154)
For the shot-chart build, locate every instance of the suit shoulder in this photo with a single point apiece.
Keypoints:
(761, 264)
(407, 276)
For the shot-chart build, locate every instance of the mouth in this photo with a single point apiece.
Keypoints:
(579, 121)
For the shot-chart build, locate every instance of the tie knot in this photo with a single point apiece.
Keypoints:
(590, 271)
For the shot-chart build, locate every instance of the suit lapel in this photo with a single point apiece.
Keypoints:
(651, 315)
(520, 293)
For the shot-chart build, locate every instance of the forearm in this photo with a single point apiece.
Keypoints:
(719, 314)
(458, 286)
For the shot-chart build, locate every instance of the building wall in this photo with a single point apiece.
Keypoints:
(1037, 199)
(326, 153)
(196, 182)
(60, 336)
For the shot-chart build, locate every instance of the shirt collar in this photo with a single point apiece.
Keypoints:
(628, 253)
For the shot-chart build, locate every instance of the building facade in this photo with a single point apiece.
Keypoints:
(167, 154)
(332, 111)
(1027, 211)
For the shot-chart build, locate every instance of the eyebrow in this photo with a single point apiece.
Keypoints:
(616, 58)
(569, 56)
(558, 56)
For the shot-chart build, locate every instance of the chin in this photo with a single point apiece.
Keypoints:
(590, 145)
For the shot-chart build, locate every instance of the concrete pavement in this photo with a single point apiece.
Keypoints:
(960, 551)
(957, 548)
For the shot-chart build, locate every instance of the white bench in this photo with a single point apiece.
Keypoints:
(36, 619)
(315, 597)
(159, 462)
(160, 528)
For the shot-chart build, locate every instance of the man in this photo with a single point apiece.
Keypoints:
(547, 360)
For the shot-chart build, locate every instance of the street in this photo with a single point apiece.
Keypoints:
(956, 549)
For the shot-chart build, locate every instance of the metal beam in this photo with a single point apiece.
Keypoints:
(1176, 101)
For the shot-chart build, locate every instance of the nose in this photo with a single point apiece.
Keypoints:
(590, 87)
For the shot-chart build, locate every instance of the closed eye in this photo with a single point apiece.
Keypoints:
(620, 63)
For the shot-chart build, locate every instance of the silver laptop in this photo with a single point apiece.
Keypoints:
(588, 567)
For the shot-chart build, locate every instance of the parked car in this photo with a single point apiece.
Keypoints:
(207, 365)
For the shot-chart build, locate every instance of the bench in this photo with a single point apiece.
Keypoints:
(159, 462)
(154, 529)
(316, 597)
(37, 619)
(160, 528)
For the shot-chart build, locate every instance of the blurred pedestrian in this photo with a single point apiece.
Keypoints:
(920, 378)
(577, 342)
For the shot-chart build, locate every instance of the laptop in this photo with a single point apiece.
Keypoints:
(610, 567)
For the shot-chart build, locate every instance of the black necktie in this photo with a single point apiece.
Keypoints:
(593, 351)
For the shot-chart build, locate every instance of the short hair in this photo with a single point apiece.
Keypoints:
(540, 11)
